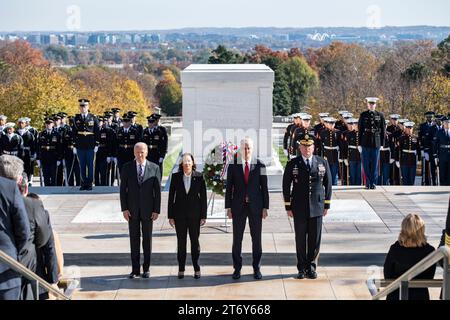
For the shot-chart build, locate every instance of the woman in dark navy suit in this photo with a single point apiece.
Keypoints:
(187, 211)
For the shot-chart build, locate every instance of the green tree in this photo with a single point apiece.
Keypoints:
(221, 55)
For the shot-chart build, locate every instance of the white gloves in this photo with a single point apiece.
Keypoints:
(426, 156)
(285, 152)
(115, 160)
(33, 157)
(108, 160)
(340, 160)
(391, 161)
(38, 162)
(397, 163)
(346, 162)
(161, 160)
(74, 151)
(58, 163)
(360, 149)
(436, 161)
(95, 149)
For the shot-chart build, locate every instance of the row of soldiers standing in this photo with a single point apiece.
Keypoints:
(84, 149)
(371, 151)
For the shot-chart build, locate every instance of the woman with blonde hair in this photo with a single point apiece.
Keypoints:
(411, 247)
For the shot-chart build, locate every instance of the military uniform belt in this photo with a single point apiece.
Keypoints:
(47, 147)
(331, 148)
(152, 146)
(385, 149)
(353, 147)
(85, 133)
(11, 153)
(445, 146)
(372, 130)
(410, 151)
(27, 148)
(126, 146)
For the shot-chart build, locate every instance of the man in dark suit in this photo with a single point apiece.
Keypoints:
(14, 231)
(307, 202)
(140, 199)
(247, 195)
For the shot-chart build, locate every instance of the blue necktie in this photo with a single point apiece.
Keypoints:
(141, 175)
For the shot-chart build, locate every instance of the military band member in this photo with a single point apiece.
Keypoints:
(49, 153)
(340, 123)
(408, 153)
(301, 131)
(371, 137)
(317, 129)
(442, 152)
(10, 142)
(292, 147)
(350, 152)
(105, 153)
(155, 136)
(29, 147)
(127, 137)
(330, 139)
(395, 132)
(427, 132)
(85, 130)
(307, 196)
(387, 158)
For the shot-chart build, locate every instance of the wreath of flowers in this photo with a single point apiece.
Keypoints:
(216, 165)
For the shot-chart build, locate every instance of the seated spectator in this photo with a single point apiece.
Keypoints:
(410, 249)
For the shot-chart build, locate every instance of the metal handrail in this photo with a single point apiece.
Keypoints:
(30, 275)
(402, 282)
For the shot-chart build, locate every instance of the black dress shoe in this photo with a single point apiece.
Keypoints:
(373, 187)
(82, 188)
(236, 275)
(257, 275)
(88, 188)
(146, 275)
(197, 275)
(181, 275)
(367, 187)
(301, 275)
(310, 274)
(133, 275)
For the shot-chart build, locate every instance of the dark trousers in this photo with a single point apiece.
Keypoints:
(370, 159)
(444, 172)
(385, 174)
(111, 173)
(255, 223)
(10, 294)
(334, 168)
(27, 166)
(160, 165)
(355, 173)
(86, 160)
(183, 227)
(408, 175)
(430, 172)
(308, 233)
(135, 227)
(101, 171)
(49, 172)
(73, 169)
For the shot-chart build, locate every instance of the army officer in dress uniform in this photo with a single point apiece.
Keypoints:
(49, 153)
(307, 197)
(85, 131)
(371, 138)
(127, 137)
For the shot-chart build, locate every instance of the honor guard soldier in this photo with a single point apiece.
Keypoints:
(60, 128)
(109, 121)
(350, 153)
(340, 123)
(132, 115)
(155, 136)
(49, 151)
(427, 132)
(116, 117)
(3, 120)
(317, 129)
(371, 137)
(105, 153)
(387, 159)
(10, 142)
(30, 128)
(292, 147)
(442, 152)
(85, 130)
(330, 139)
(395, 132)
(287, 136)
(127, 137)
(307, 196)
(300, 132)
(343, 169)
(70, 160)
(29, 148)
(408, 153)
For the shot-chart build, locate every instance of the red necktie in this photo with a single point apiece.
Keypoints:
(246, 172)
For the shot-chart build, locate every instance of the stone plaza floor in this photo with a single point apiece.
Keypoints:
(357, 233)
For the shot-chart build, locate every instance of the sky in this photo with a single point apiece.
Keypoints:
(99, 15)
